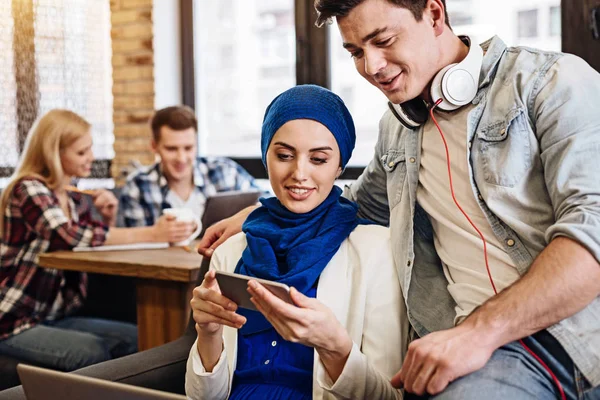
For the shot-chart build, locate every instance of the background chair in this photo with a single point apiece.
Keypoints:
(160, 368)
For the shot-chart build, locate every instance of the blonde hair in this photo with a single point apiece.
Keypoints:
(40, 158)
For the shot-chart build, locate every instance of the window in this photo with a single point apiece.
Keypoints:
(508, 19)
(72, 52)
(265, 61)
(242, 63)
(527, 24)
(70, 68)
(365, 102)
(8, 111)
(555, 21)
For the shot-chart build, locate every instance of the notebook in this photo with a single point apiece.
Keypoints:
(46, 384)
(132, 246)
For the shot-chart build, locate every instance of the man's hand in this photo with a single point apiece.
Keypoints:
(439, 358)
(223, 230)
(107, 205)
(168, 229)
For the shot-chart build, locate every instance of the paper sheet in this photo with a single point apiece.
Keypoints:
(132, 246)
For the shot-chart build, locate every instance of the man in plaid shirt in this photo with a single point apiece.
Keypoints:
(180, 179)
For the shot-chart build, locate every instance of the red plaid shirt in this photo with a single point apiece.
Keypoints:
(35, 223)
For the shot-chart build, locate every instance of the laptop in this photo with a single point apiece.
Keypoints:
(46, 384)
(225, 204)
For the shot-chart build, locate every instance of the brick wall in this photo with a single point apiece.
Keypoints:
(133, 82)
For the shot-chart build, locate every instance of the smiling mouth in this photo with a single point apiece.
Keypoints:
(299, 194)
(299, 191)
(390, 82)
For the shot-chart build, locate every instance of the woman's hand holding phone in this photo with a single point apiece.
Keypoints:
(211, 310)
(308, 322)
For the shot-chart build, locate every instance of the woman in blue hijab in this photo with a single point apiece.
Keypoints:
(346, 334)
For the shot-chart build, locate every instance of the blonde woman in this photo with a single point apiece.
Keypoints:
(40, 215)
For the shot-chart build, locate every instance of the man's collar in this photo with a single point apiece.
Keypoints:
(198, 176)
(493, 48)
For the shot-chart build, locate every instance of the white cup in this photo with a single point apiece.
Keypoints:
(185, 215)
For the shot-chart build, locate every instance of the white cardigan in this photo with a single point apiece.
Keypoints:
(360, 286)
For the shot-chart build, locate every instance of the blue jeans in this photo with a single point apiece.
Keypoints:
(512, 373)
(72, 343)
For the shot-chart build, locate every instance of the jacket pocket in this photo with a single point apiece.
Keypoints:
(394, 164)
(503, 150)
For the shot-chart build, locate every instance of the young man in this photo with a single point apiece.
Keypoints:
(180, 178)
(524, 156)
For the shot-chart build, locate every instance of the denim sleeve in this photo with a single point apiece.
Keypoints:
(567, 120)
(370, 189)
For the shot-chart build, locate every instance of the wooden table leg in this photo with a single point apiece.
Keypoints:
(163, 308)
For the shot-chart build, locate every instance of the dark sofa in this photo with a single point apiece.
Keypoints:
(160, 368)
(111, 297)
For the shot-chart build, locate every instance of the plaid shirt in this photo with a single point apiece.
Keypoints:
(35, 223)
(144, 195)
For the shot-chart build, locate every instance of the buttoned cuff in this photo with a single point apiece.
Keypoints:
(197, 365)
(354, 370)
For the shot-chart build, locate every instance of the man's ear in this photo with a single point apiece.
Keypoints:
(435, 13)
(154, 147)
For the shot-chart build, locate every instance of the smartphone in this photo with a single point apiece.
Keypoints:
(234, 287)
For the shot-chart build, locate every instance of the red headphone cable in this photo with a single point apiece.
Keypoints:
(487, 266)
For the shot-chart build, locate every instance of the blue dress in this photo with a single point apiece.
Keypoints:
(269, 367)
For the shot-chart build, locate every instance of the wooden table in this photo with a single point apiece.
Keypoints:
(166, 278)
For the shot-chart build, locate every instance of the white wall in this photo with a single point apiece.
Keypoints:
(167, 53)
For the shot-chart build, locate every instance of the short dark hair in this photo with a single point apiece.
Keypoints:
(328, 9)
(175, 117)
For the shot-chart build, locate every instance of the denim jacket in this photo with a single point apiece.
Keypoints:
(533, 141)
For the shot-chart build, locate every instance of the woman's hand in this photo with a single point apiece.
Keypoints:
(168, 229)
(310, 323)
(211, 310)
(107, 205)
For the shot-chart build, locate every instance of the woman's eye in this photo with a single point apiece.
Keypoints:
(284, 156)
(319, 160)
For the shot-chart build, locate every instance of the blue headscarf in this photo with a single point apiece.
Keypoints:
(295, 248)
(310, 102)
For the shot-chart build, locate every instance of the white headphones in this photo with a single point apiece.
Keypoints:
(455, 84)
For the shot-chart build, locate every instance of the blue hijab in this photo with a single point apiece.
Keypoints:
(295, 248)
